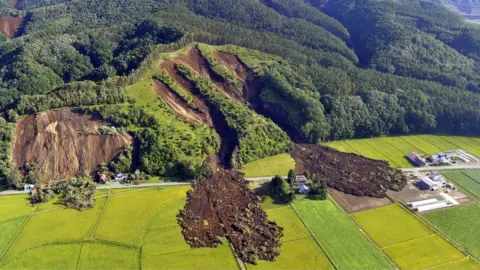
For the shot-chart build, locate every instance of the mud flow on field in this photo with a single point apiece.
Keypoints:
(222, 205)
(353, 204)
(349, 173)
(9, 25)
(64, 143)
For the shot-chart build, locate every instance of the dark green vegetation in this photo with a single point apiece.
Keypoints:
(281, 190)
(349, 69)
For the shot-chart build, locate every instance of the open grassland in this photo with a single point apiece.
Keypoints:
(270, 166)
(108, 256)
(465, 182)
(405, 239)
(61, 256)
(395, 149)
(461, 224)
(299, 249)
(423, 252)
(345, 245)
(391, 224)
(14, 206)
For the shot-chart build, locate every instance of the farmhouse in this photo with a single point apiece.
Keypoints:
(415, 159)
(427, 183)
(303, 189)
(300, 180)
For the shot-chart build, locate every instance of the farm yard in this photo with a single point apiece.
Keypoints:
(405, 239)
(460, 224)
(395, 149)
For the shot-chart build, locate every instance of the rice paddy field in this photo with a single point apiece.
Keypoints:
(128, 230)
(395, 149)
(467, 180)
(460, 224)
(407, 240)
(341, 240)
(271, 166)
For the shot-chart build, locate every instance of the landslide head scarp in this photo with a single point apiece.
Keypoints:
(9, 25)
(64, 143)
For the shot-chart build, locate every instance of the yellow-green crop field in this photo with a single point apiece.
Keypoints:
(408, 242)
(128, 230)
(467, 180)
(460, 224)
(270, 166)
(395, 149)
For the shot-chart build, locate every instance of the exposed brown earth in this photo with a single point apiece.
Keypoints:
(349, 173)
(14, 3)
(9, 25)
(222, 205)
(181, 108)
(231, 62)
(63, 144)
(353, 204)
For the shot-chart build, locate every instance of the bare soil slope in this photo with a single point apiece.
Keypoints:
(9, 25)
(349, 173)
(63, 143)
(224, 206)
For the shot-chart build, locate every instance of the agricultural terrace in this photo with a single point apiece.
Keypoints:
(341, 240)
(460, 224)
(126, 230)
(406, 239)
(270, 166)
(395, 149)
(467, 180)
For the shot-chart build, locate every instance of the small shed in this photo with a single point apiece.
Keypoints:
(303, 189)
(103, 178)
(300, 180)
(28, 188)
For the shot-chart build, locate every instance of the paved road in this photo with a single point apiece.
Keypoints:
(453, 167)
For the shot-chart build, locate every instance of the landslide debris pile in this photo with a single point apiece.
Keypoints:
(64, 143)
(349, 173)
(223, 206)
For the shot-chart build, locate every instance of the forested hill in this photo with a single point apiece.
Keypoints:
(370, 67)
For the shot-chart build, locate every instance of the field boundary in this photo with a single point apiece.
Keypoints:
(100, 216)
(314, 238)
(388, 159)
(363, 232)
(79, 256)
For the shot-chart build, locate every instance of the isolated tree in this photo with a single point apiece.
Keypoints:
(291, 176)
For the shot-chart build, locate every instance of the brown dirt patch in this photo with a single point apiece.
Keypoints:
(233, 63)
(352, 203)
(180, 107)
(64, 144)
(349, 173)
(224, 206)
(9, 25)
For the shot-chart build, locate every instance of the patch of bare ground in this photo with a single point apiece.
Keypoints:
(180, 107)
(64, 143)
(9, 25)
(352, 203)
(233, 63)
(222, 205)
(349, 173)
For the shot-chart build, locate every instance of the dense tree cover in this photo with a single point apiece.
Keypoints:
(8, 176)
(281, 190)
(76, 193)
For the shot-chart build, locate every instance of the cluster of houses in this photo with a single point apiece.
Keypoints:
(434, 182)
(447, 158)
(301, 184)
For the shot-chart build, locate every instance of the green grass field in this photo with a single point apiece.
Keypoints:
(461, 224)
(395, 149)
(405, 239)
(14, 206)
(271, 166)
(465, 182)
(346, 246)
(124, 231)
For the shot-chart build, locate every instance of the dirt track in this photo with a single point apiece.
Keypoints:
(223, 206)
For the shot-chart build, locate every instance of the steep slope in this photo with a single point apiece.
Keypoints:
(9, 25)
(64, 143)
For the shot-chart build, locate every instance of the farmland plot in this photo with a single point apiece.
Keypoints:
(421, 144)
(341, 146)
(108, 256)
(8, 231)
(14, 206)
(397, 158)
(465, 182)
(461, 224)
(270, 166)
(406, 240)
(364, 149)
(345, 245)
(467, 146)
(439, 142)
(401, 145)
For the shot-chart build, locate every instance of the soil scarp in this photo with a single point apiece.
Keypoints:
(64, 143)
(9, 25)
(222, 205)
(349, 173)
